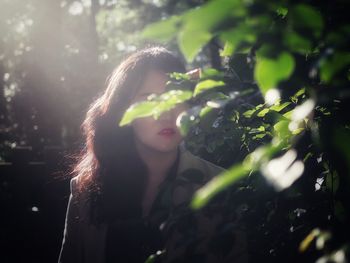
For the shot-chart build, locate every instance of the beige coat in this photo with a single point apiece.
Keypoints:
(85, 243)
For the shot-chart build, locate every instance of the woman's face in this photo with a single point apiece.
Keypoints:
(160, 135)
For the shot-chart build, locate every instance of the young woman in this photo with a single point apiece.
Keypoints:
(131, 182)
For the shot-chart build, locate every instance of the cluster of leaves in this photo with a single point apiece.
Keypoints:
(296, 56)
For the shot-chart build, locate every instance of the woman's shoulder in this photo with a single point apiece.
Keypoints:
(74, 184)
(189, 161)
(80, 194)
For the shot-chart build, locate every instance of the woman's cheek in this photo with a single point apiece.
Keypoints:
(145, 130)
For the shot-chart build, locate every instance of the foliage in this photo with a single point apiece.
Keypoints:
(296, 57)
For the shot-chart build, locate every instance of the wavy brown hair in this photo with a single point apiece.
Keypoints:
(109, 168)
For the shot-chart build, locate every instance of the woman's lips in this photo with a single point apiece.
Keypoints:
(167, 132)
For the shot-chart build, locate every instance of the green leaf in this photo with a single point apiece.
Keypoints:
(206, 85)
(200, 23)
(263, 112)
(217, 184)
(282, 11)
(331, 66)
(190, 45)
(299, 94)
(163, 30)
(185, 121)
(249, 113)
(156, 106)
(279, 107)
(138, 110)
(261, 155)
(211, 72)
(282, 130)
(151, 259)
(204, 111)
(179, 76)
(154, 257)
(259, 136)
(273, 117)
(269, 72)
(233, 38)
(229, 49)
(297, 43)
(251, 163)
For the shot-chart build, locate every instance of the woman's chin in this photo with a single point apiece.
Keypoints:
(165, 146)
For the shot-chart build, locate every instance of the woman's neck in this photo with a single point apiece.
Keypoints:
(158, 163)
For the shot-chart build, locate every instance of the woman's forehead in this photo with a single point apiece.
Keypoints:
(154, 82)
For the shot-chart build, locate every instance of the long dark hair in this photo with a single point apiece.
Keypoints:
(109, 168)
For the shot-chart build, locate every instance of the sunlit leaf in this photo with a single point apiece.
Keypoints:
(262, 155)
(251, 163)
(282, 11)
(211, 72)
(234, 37)
(297, 130)
(217, 184)
(263, 112)
(269, 72)
(163, 30)
(200, 23)
(299, 94)
(204, 111)
(151, 259)
(185, 121)
(189, 45)
(281, 129)
(217, 104)
(279, 107)
(206, 85)
(179, 76)
(138, 110)
(249, 113)
(228, 50)
(154, 257)
(308, 239)
(188, 119)
(156, 106)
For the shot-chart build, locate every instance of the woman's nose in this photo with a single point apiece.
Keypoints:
(167, 116)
